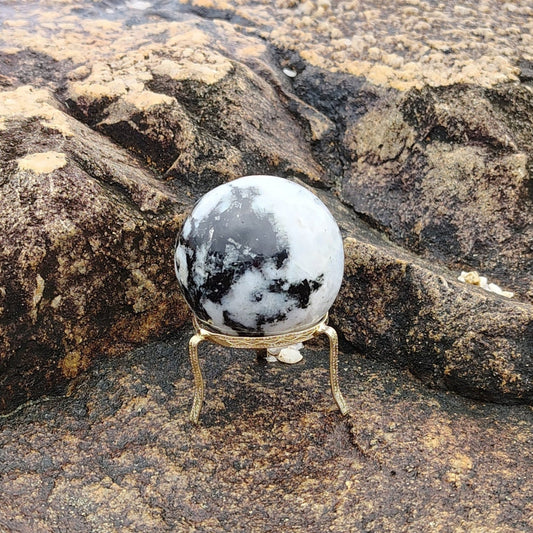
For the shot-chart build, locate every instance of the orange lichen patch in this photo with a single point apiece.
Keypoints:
(42, 162)
(73, 363)
(29, 102)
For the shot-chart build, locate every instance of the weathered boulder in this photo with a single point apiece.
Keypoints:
(105, 152)
(396, 306)
(194, 111)
(88, 229)
(447, 173)
(85, 258)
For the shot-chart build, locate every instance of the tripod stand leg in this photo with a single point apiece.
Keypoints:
(334, 366)
(198, 379)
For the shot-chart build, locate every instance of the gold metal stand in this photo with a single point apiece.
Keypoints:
(273, 341)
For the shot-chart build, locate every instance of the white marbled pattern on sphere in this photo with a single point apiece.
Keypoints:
(260, 256)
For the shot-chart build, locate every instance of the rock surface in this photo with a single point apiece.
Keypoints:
(411, 120)
(447, 173)
(272, 452)
(398, 307)
(81, 225)
(430, 144)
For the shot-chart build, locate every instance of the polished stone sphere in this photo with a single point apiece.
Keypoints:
(259, 256)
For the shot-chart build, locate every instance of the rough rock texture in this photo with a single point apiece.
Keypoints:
(447, 173)
(103, 153)
(399, 309)
(412, 120)
(402, 44)
(88, 231)
(272, 452)
(395, 306)
(81, 226)
(194, 113)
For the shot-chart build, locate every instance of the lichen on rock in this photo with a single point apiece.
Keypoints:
(42, 162)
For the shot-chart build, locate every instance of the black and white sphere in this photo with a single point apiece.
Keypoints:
(260, 256)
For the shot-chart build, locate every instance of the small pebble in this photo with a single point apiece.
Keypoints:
(289, 72)
(275, 351)
(473, 278)
(138, 4)
(289, 356)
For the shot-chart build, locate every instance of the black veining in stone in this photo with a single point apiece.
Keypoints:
(251, 237)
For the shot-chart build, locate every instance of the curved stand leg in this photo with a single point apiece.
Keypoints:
(334, 366)
(198, 379)
(260, 344)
